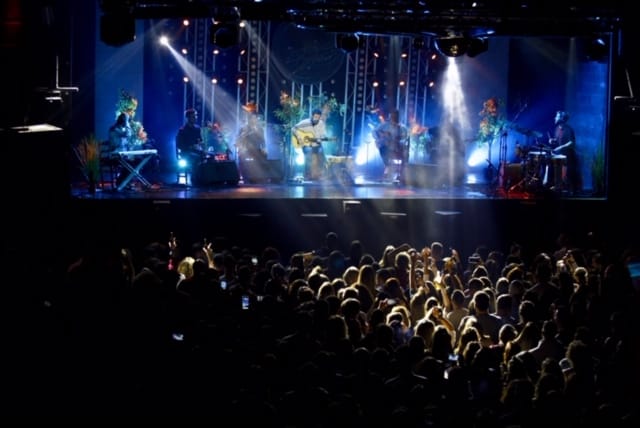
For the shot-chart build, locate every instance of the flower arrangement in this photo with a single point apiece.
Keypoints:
(128, 104)
(492, 122)
(290, 111)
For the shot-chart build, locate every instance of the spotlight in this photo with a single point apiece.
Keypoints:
(117, 29)
(477, 46)
(452, 46)
(347, 42)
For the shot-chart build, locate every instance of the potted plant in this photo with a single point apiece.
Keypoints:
(88, 152)
(598, 173)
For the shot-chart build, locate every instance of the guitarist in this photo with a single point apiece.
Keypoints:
(309, 134)
(392, 140)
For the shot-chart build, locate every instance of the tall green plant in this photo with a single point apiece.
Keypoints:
(597, 172)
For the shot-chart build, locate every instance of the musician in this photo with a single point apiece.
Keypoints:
(189, 145)
(310, 133)
(251, 144)
(392, 140)
(125, 138)
(120, 133)
(563, 142)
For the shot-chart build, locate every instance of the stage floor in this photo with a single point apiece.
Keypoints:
(169, 186)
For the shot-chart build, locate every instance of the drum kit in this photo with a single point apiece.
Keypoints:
(541, 168)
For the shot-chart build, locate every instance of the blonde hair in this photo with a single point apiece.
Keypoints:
(185, 267)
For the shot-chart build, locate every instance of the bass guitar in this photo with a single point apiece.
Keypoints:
(301, 139)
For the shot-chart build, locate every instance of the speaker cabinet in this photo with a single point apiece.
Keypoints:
(216, 172)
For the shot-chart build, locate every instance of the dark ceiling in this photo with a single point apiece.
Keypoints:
(436, 17)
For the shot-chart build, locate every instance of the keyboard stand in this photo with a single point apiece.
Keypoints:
(134, 171)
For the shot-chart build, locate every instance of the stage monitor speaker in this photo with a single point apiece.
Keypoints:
(216, 172)
(262, 172)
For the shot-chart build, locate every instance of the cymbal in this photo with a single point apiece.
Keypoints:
(528, 132)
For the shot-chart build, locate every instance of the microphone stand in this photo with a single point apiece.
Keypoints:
(502, 158)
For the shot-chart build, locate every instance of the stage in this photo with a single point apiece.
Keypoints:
(418, 185)
(296, 213)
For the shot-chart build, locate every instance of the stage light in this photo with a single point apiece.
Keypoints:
(224, 31)
(347, 42)
(477, 46)
(224, 35)
(453, 46)
(597, 50)
(117, 29)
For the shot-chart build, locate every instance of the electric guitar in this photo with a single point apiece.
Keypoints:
(306, 138)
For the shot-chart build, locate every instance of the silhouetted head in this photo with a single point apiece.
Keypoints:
(562, 116)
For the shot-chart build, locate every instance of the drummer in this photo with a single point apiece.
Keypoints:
(563, 143)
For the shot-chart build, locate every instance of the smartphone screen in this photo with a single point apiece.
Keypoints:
(223, 284)
(634, 271)
(245, 302)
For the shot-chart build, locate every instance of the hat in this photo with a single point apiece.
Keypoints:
(250, 107)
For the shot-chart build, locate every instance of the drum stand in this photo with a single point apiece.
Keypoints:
(534, 175)
(521, 184)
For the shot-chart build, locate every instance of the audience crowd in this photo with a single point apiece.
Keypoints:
(406, 335)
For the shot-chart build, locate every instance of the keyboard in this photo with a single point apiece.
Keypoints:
(142, 152)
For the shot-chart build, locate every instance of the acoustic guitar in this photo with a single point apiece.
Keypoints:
(306, 138)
